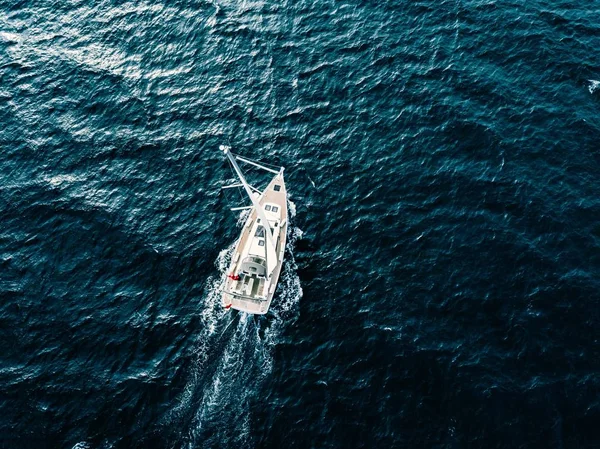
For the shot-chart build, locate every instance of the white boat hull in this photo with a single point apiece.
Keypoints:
(252, 294)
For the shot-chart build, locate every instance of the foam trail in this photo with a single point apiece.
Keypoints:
(594, 85)
(213, 318)
(241, 220)
(81, 445)
(235, 355)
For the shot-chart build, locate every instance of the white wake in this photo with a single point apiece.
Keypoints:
(234, 356)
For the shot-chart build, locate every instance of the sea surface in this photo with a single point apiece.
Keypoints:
(442, 279)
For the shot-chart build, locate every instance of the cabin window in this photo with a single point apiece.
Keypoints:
(275, 209)
(267, 208)
(260, 232)
(261, 243)
(253, 269)
(277, 187)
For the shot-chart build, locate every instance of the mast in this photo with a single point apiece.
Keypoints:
(259, 210)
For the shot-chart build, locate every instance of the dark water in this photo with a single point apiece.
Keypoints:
(442, 283)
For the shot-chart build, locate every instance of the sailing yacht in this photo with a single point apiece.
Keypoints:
(257, 259)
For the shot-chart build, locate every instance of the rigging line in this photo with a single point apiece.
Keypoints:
(256, 164)
(253, 160)
(244, 158)
(241, 195)
(233, 186)
(242, 199)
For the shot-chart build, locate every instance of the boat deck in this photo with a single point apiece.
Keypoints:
(250, 287)
(236, 294)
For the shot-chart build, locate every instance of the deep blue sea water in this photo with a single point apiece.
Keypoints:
(442, 282)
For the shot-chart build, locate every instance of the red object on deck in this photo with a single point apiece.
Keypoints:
(228, 306)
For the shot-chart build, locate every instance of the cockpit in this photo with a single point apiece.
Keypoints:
(253, 265)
